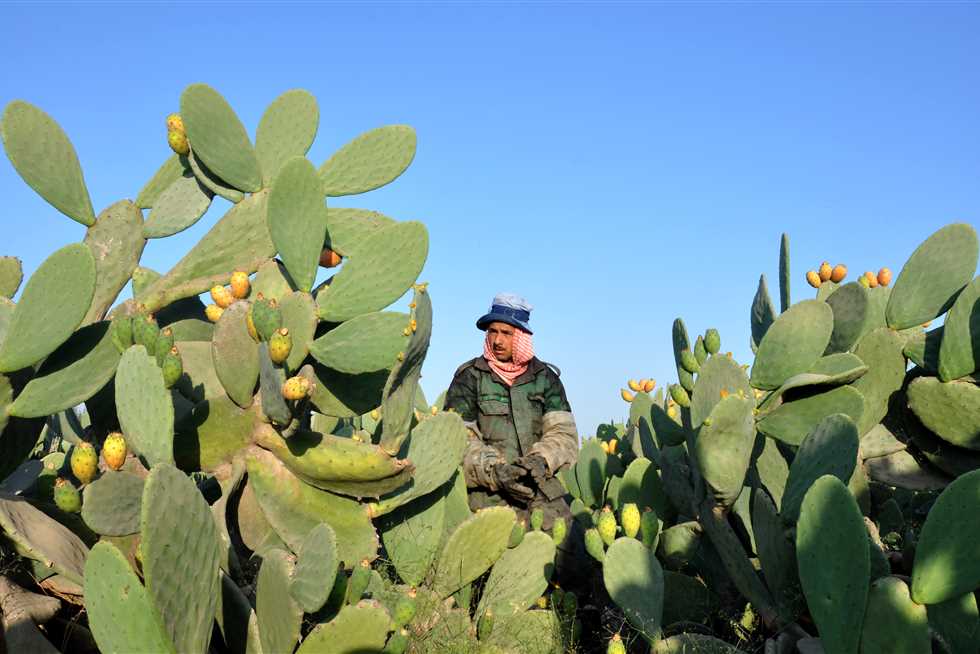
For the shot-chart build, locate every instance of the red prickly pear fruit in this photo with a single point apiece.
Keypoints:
(825, 271)
(84, 462)
(838, 274)
(222, 296)
(213, 312)
(114, 451)
(813, 278)
(884, 276)
(280, 345)
(240, 286)
(173, 367)
(329, 258)
(66, 496)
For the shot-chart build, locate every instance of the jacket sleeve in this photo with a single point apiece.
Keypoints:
(461, 395)
(478, 458)
(559, 436)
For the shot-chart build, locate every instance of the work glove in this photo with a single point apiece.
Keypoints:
(508, 478)
(536, 466)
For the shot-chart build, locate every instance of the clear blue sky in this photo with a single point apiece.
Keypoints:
(618, 164)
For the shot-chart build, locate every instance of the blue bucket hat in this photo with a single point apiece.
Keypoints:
(508, 308)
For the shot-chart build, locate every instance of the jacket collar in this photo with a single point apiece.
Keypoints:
(534, 366)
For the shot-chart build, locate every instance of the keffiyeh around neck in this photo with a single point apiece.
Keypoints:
(522, 352)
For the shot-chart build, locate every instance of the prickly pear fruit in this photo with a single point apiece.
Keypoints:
(680, 395)
(405, 608)
(484, 626)
(177, 140)
(165, 341)
(649, 527)
(84, 462)
(634, 385)
(626, 395)
(884, 276)
(542, 602)
(593, 544)
(537, 519)
(813, 278)
(175, 122)
(516, 534)
(606, 524)
(114, 450)
(145, 332)
(712, 341)
(612, 445)
(66, 496)
(280, 345)
(616, 645)
(266, 317)
(838, 274)
(649, 385)
(872, 279)
(329, 258)
(359, 579)
(689, 362)
(172, 368)
(122, 332)
(825, 271)
(558, 530)
(863, 281)
(240, 285)
(296, 388)
(630, 518)
(700, 353)
(397, 642)
(213, 312)
(250, 325)
(569, 603)
(222, 296)
(605, 446)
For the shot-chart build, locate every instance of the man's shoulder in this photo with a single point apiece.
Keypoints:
(473, 363)
(538, 366)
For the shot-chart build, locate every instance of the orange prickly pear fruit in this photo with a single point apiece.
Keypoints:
(66, 496)
(413, 325)
(177, 140)
(296, 388)
(884, 276)
(605, 446)
(872, 279)
(213, 312)
(838, 274)
(813, 279)
(114, 450)
(612, 446)
(634, 385)
(626, 395)
(825, 271)
(649, 385)
(84, 462)
(329, 258)
(280, 345)
(222, 296)
(240, 285)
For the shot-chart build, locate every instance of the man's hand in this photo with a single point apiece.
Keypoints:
(536, 466)
(508, 478)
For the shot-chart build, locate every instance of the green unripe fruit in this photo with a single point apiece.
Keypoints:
(484, 626)
(397, 643)
(558, 531)
(689, 362)
(679, 395)
(630, 518)
(700, 353)
(122, 332)
(280, 345)
(593, 544)
(649, 528)
(359, 580)
(165, 342)
(516, 534)
(266, 317)
(405, 608)
(145, 332)
(686, 380)
(606, 524)
(66, 496)
(569, 603)
(712, 341)
(616, 645)
(537, 519)
(84, 462)
(173, 367)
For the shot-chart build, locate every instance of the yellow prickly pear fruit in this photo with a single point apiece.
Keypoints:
(649, 527)
(593, 544)
(222, 296)
(84, 462)
(66, 496)
(175, 122)
(813, 278)
(435, 410)
(537, 519)
(177, 140)
(838, 274)
(280, 345)
(329, 258)
(626, 395)
(630, 518)
(672, 412)
(680, 395)
(649, 385)
(884, 276)
(612, 445)
(863, 281)
(240, 286)
(250, 325)
(213, 312)
(413, 325)
(616, 645)
(375, 414)
(296, 388)
(634, 385)
(605, 446)
(825, 271)
(542, 602)
(114, 451)
(558, 530)
(606, 524)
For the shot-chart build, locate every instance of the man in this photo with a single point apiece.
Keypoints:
(521, 427)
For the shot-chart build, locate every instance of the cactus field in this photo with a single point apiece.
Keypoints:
(229, 458)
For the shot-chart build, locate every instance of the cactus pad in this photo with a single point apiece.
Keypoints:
(341, 395)
(287, 129)
(370, 161)
(111, 504)
(366, 343)
(472, 548)
(893, 623)
(65, 280)
(402, 388)
(146, 412)
(412, 534)
(316, 567)
(385, 265)
(641, 485)
(299, 317)
(691, 643)
(362, 628)
(44, 157)
(793, 343)
(957, 621)
(298, 220)
(279, 616)
(834, 563)
(776, 554)
(723, 448)
(792, 421)
(946, 562)
(42, 539)
(950, 409)
(881, 350)
(959, 352)
(850, 306)
(346, 228)
(235, 355)
(179, 206)
(520, 576)
(635, 582)
(718, 374)
(830, 449)
(116, 241)
(763, 313)
(211, 181)
(169, 172)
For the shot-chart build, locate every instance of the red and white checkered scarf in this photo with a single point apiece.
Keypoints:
(522, 350)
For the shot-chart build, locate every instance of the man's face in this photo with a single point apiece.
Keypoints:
(501, 340)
